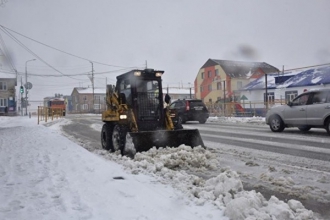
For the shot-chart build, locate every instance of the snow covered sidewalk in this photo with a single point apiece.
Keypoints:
(43, 175)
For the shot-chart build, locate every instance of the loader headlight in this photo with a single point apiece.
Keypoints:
(122, 116)
(158, 74)
(137, 73)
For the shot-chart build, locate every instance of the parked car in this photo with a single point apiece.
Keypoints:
(188, 110)
(310, 109)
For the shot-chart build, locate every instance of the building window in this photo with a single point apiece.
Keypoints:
(290, 95)
(217, 72)
(209, 74)
(84, 106)
(210, 87)
(239, 84)
(3, 85)
(270, 97)
(97, 106)
(202, 89)
(97, 97)
(219, 86)
(202, 75)
(210, 100)
(3, 102)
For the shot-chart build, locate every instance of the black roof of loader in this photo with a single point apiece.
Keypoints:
(150, 73)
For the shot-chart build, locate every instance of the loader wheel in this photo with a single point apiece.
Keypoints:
(116, 139)
(123, 141)
(106, 134)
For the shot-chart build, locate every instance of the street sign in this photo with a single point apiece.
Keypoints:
(244, 98)
(28, 85)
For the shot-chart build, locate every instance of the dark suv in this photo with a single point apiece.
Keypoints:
(188, 110)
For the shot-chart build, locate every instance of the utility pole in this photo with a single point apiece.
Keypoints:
(93, 84)
(21, 97)
(224, 98)
(26, 85)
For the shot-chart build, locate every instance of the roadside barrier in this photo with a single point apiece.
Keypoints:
(46, 113)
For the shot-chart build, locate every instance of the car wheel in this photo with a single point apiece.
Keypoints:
(304, 128)
(181, 120)
(276, 124)
(327, 126)
(202, 120)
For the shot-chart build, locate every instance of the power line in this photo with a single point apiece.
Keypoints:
(6, 53)
(30, 51)
(62, 50)
(325, 64)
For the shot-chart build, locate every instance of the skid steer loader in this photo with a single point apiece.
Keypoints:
(136, 120)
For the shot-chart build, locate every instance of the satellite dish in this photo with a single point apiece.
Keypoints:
(28, 85)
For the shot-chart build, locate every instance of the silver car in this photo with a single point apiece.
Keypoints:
(310, 109)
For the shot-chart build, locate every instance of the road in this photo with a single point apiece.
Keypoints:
(289, 165)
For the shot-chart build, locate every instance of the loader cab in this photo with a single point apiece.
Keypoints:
(143, 92)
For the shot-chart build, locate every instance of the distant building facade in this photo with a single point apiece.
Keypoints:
(283, 87)
(218, 80)
(8, 102)
(179, 93)
(83, 102)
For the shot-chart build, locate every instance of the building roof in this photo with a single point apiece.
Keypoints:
(240, 69)
(299, 78)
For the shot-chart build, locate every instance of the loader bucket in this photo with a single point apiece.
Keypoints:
(144, 140)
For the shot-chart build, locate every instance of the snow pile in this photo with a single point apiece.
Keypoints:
(254, 120)
(224, 191)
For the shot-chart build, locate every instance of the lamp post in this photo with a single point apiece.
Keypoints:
(26, 86)
(224, 98)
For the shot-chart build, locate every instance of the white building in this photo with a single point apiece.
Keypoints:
(282, 88)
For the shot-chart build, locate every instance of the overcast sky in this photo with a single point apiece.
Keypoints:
(177, 36)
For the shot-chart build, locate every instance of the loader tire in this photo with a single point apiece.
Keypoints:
(122, 140)
(106, 136)
(117, 138)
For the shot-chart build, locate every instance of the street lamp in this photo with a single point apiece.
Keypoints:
(26, 86)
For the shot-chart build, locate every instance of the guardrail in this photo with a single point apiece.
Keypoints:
(46, 113)
(240, 109)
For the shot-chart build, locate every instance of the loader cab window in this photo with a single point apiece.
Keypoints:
(147, 86)
(125, 87)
